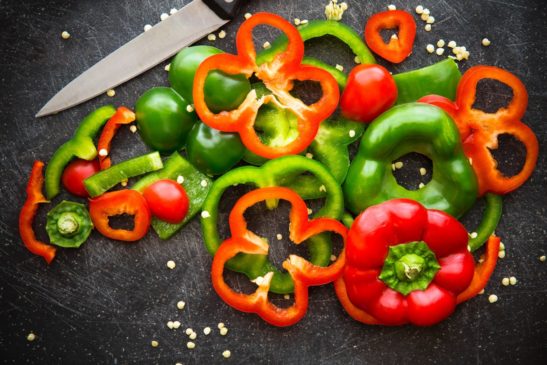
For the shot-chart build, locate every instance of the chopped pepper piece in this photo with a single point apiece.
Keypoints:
(122, 116)
(302, 272)
(68, 224)
(489, 222)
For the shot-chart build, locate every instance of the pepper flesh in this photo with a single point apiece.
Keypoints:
(303, 272)
(26, 216)
(122, 116)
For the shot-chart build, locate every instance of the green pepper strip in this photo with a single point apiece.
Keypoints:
(273, 173)
(441, 78)
(80, 145)
(490, 220)
(107, 179)
(68, 224)
(174, 167)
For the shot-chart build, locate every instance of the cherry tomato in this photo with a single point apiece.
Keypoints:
(76, 172)
(167, 200)
(370, 91)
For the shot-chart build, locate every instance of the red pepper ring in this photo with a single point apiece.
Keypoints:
(278, 76)
(122, 116)
(398, 49)
(303, 272)
(116, 203)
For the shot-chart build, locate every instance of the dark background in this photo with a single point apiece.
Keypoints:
(105, 302)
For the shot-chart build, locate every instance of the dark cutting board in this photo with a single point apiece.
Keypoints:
(105, 302)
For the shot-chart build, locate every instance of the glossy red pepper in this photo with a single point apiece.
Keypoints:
(120, 202)
(26, 216)
(278, 76)
(480, 130)
(122, 116)
(303, 272)
(399, 47)
(406, 264)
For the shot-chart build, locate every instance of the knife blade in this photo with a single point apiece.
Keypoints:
(189, 24)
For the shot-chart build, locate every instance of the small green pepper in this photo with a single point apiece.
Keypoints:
(68, 224)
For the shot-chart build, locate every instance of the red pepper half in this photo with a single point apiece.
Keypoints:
(480, 130)
(117, 203)
(26, 216)
(122, 116)
(399, 47)
(405, 264)
(278, 76)
(303, 272)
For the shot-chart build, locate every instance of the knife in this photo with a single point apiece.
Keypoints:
(189, 24)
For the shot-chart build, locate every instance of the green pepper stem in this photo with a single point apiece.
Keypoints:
(409, 267)
(67, 224)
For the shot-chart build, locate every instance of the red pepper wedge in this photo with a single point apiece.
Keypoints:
(26, 216)
(303, 272)
(398, 48)
(116, 203)
(480, 130)
(278, 76)
(122, 116)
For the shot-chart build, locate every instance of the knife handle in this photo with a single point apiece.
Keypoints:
(226, 9)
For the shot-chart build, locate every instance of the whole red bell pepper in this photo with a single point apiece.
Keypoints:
(407, 264)
(279, 76)
(303, 272)
(122, 116)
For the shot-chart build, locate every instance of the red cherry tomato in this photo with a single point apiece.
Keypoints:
(76, 172)
(167, 200)
(370, 91)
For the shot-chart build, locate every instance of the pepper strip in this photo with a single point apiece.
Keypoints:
(26, 216)
(80, 145)
(303, 272)
(122, 116)
(490, 220)
(483, 271)
(278, 76)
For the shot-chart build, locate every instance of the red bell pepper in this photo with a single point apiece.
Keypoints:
(405, 264)
(480, 130)
(399, 47)
(122, 116)
(116, 203)
(278, 76)
(26, 216)
(303, 272)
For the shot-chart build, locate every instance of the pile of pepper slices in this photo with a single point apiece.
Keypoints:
(406, 257)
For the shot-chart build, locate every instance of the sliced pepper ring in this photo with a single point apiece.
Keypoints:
(303, 272)
(278, 76)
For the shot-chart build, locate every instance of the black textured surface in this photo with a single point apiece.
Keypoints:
(105, 302)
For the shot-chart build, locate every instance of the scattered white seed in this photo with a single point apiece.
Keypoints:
(170, 325)
(205, 214)
(394, 36)
(180, 179)
(65, 34)
(173, 11)
(502, 246)
(220, 325)
(492, 298)
(111, 92)
(392, 167)
(459, 57)
(123, 183)
(171, 264)
(189, 108)
(223, 331)
(505, 281)
(513, 280)
(468, 248)
(419, 9)
(426, 11)
(305, 21)
(486, 42)
(451, 44)
(339, 67)
(356, 60)
(333, 257)
(309, 155)
(248, 15)
(481, 292)
(167, 67)
(203, 183)
(473, 234)
(439, 51)
(421, 185)
(423, 171)
(164, 16)
(226, 354)
(286, 296)
(333, 11)
(211, 37)
(391, 7)
(399, 165)
(322, 188)
(351, 133)
(296, 21)
(103, 152)
(430, 48)
(31, 337)
(430, 20)
(222, 34)
(181, 304)
(424, 16)
(133, 128)
(427, 27)
(266, 45)
(147, 27)
(176, 324)
(310, 211)
(501, 254)
(542, 258)
(207, 331)
(279, 236)
(193, 336)
(189, 331)
(440, 43)
(154, 343)
(190, 345)
(259, 280)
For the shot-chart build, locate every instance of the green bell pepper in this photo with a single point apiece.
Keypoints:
(441, 78)
(489, 222)
(276, 172)
(412, 127)
(106, 179)
(68, 224)
(80, 145)
(195, 184)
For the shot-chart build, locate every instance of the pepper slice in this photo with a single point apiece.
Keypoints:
(399, 47)
(122, 116)
(26, 216)
(278, 76)
(116, 203)
(68, 224)
(276, 172)
(303, 272)
(489, 222)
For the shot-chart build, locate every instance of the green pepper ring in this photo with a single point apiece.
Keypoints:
(412, 127)
(275, 172)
